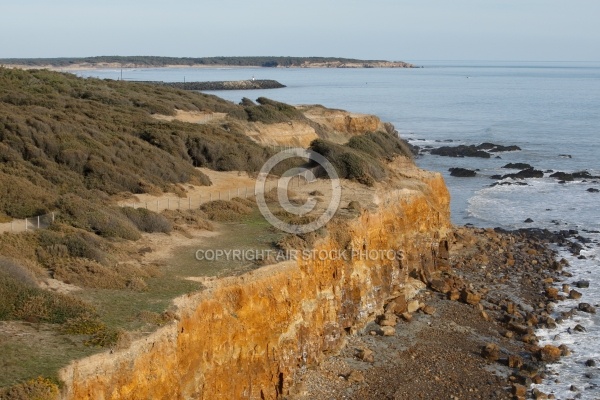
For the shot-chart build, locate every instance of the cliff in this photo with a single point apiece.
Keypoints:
(247, 336)
(335, 125)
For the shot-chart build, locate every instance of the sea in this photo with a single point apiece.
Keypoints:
(551, 110)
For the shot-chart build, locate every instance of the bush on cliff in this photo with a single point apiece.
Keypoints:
(271, 111)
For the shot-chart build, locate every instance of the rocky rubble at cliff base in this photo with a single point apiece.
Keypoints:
(470, 334)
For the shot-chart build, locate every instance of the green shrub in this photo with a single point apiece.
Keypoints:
(34, 389)
(106, 337)
(84, 324)
(100, 219)
(147, 221)
(20, 300)
(223, 210)
(270, 112)
(350, 163)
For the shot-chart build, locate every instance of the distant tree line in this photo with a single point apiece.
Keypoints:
(153, 61)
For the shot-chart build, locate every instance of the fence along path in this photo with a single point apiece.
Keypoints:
(226, 186)
(28, 224)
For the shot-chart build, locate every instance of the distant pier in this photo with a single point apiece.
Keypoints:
(223, 85)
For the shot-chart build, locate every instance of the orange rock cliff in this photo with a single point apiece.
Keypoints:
(246, 337)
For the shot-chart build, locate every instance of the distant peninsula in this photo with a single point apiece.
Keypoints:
(158, 62)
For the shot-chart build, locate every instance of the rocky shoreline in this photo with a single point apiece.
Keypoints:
(469, 334)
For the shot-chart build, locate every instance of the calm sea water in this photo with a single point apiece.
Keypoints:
(550, 110)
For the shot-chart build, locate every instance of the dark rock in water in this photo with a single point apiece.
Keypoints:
(590, 363)
(460, 151)
(496, 148)
(563, 176)
(586, 307)
(579, 328)
(565, 155)
(498, 157)
(561, 182)
(582, 258)
(582, 284)
(508, 183)
(462, 172)
(526, 173)
(496, 177)
(528, 221)
(569, 177)
(483, 150)
(517, 166)
(584, 175)
(583, 239)
(593, 190)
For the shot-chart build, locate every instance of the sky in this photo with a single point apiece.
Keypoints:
(505, 30)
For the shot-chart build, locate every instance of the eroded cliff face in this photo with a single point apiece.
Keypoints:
(342, 125)
(246, 337)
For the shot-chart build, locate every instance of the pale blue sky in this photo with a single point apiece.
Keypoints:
(527, 30)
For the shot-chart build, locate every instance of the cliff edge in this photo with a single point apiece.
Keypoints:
(248, 336)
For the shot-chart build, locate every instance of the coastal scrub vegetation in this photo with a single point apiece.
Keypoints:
(363, 157)
(71, 146)
(63, 135)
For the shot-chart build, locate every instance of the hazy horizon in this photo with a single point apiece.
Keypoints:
(410, 30)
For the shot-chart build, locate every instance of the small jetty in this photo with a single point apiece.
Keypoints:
(222, 85)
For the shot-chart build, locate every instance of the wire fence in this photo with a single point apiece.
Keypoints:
(191, 202)
(171, 203)
(28, 224)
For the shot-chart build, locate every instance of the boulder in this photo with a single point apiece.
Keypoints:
(440, 285)
(525, 174)
(462, 172)
(429, 310)
(574, 294)
(387, 320)
(552, 293)
(582, 284)
(365, 355)
(519, 328)
(491, 352)
(515, 361)
(388, 330)
(519, 391)
(564, 350)
(453, 295)
(519, 166)
(413, 306)
(590, 363)
(549, 353)
(593, 190)
(469, 297)
(586, 307)
(563, 176)
(460, 151)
